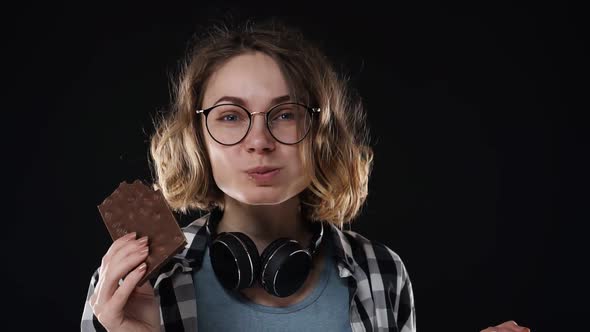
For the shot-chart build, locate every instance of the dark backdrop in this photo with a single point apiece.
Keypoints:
(477, 182)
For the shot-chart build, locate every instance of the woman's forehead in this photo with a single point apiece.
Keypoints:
(250, 76)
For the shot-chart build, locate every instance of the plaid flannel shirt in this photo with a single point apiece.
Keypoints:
(380, 290)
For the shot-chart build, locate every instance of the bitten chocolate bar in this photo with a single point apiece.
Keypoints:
(137, 208)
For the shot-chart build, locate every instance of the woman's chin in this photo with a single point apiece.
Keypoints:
(255, 197)
(262, 200)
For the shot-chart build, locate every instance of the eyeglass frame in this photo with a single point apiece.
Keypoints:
(311, 110)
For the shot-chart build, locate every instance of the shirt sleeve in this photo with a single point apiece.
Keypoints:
(406, 312)
(397, 288)
(89, 321)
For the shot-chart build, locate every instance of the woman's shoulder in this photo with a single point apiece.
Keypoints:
(369, 254)
(381, 275)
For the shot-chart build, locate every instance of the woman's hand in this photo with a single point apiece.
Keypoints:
(125, 307)
(509, 326)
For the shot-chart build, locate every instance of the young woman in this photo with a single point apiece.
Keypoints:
(265, 137)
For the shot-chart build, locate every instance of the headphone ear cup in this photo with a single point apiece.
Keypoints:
(285, 266)
(270, 249)
(235, 260)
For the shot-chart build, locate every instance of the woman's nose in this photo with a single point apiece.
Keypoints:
(259, 138)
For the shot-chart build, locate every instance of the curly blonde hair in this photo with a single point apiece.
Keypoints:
(336, 153)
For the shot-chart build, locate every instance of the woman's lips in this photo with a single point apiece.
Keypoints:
(264, 176)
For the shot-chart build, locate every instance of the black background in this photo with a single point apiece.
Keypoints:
(474, 115)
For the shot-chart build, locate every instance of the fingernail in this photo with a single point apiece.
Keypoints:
(130, 236)
(143, 240)
(142, 267)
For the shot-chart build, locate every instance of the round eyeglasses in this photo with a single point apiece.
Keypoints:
(288, 123)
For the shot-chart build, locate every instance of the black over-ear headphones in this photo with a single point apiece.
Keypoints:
(281, 269)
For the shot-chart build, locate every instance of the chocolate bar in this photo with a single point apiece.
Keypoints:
(137, 208)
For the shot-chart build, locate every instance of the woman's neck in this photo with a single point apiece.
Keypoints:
(265, 223)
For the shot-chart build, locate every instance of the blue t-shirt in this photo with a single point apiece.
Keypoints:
(325, 309)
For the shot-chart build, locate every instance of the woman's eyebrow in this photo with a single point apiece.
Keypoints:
(240, 101)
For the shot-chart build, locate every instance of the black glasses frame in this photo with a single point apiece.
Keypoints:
(206, 111)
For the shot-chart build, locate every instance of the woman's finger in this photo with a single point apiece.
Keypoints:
(509, 326)
(122, 293)
(115, 246)
(123, 261)
(513, 326)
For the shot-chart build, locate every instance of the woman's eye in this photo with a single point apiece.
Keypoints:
(285, 116)
(229, 117)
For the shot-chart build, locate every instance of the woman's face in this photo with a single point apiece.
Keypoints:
(254, 81)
